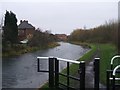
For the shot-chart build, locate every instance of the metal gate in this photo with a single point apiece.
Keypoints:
(113, 82)
(54, 73)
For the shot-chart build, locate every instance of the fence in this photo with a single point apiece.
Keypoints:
(111, 75)
(54, 73)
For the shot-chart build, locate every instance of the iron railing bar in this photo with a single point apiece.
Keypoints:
(78, 79)
(117, 85)
(115, 78)
(60, 59)
(63, 84)
(42, 57)
(68, 60)
(117, 56)
(72, 77)
(42, 71)
(115, 69)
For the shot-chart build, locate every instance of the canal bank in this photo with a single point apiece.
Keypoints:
(20, 49)
(21, 71)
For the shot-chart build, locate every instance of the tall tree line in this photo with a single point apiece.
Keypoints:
(107, 33)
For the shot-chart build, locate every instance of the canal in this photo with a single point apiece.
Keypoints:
(21, 71)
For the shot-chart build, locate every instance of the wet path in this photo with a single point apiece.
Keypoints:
(90, 76)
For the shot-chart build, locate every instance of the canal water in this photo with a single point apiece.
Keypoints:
(21, 71)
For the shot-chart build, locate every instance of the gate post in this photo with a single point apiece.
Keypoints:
(82, 75)
(38, 66)
(56, 73)
(107, 80)
(68, 81)
(96, 74)
(51, 72)
(113, 83)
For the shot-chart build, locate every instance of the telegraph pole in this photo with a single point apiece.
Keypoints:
(118, 28)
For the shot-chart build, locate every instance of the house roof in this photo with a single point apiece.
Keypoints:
(24, 24)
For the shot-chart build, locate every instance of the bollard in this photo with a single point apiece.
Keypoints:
(82, 75)
(96, 74)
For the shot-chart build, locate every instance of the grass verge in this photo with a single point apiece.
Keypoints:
(107, 51)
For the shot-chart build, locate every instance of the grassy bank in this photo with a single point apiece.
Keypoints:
(84, 45)
(22, 48)
(73, 67)
(107, 51)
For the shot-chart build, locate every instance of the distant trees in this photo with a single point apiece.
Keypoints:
(106, 33)
(41, 39)
(10, 29)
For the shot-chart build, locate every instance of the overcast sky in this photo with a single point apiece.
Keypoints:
(62, 16)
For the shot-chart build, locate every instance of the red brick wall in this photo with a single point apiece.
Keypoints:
(23, 34)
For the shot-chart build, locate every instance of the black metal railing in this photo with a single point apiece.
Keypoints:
(111, 75)
(54, 73)
(96, 73)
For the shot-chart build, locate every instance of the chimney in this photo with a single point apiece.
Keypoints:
(20, 21)
(25, 21)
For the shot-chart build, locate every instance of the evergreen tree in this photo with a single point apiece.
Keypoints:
(10, 28)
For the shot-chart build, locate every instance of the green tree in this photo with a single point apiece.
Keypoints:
(10, 31)
(38, 39)
(41, 39)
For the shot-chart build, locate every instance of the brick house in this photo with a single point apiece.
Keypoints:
(25, 30)
(61, 37)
